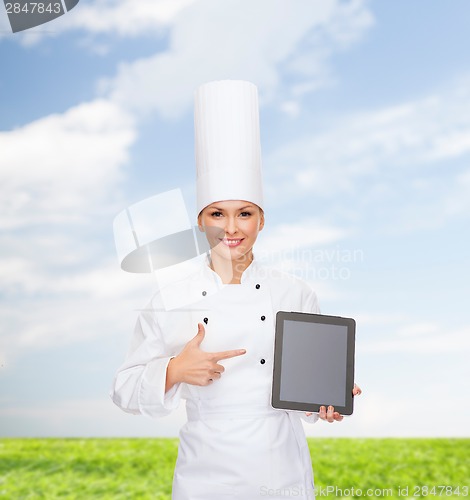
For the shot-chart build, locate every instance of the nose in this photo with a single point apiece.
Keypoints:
(231, 225)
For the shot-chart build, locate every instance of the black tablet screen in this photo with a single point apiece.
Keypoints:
(314, 365)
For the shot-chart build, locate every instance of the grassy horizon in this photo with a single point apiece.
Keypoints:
(128, 468)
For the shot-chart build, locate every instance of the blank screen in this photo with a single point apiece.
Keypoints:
(314, 360)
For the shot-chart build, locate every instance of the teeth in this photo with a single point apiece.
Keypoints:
(231, 242)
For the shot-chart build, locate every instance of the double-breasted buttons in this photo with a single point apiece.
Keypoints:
(263, 318)
(257, 286)
(204, 293)
(206, 320)
(262, 361)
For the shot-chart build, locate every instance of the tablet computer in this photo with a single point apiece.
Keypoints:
(313, 362)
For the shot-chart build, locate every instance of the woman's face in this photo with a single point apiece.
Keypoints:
(231, 227)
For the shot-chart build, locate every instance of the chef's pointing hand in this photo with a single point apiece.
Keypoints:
(195, 366)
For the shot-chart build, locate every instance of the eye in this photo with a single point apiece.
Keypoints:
(216, 214)
(245, 214)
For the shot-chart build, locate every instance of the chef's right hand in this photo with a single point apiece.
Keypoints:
(195, 366)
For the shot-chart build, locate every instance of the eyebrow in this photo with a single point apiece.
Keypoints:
(222, 210)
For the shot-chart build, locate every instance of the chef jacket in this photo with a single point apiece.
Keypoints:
(234, 444)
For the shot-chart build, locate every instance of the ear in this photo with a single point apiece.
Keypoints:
(199, 222)
(261, 219)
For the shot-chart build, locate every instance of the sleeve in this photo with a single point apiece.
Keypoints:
(310, 301)
(311, 419)
(139, 384)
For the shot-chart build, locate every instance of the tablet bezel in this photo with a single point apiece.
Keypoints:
(281, 317)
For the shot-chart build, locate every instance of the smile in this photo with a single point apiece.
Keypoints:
(231, 242)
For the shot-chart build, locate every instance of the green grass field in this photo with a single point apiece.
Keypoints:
(143, 468)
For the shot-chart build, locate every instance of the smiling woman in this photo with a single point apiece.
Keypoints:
(235, 444)
(231, 229)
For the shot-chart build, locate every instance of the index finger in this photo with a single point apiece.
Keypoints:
(217, 356)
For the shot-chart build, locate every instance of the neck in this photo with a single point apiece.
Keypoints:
(230, 271)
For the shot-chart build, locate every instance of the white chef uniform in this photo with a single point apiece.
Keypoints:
(234, 445)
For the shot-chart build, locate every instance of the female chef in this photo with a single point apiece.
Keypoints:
(234, 444)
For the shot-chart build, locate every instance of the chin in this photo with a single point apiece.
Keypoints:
(230, 253)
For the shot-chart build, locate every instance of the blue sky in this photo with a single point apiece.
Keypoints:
(365, 120)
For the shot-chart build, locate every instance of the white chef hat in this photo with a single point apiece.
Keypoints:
(227, 143)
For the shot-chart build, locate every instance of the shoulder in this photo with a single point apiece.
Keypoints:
(289, 290)
(184, 284)
(281, 278)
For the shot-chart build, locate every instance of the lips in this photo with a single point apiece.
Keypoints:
(231, 242)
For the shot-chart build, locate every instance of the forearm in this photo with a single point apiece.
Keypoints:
(171, 374)
(146, 389)
(126, 387)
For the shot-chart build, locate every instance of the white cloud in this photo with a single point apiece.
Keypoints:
(213, 24)
(60, 166)
(54, 323)
(14, 270)
(418, 329)
(4, 26)
(422, 338)
(399, 325)
(308, 249)
(433, 199)
(124, 18)
(379, 319)
(267, 42)
(417, 133)
(384, 333)
(59, 184)
(301, 248)
(408, 160)
(26, 276)
(458, 201)
(43, 308)
(84, 418)
(290, 108)
(389, 412)
(290, 238)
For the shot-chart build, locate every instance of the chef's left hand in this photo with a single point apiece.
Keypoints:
(329, 414)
